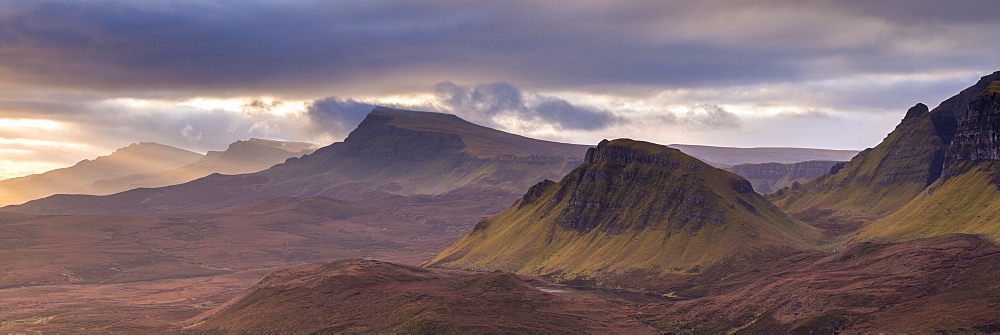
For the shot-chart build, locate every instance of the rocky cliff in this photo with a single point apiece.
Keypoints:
(632, 208)
(769, 177)
(977, 138)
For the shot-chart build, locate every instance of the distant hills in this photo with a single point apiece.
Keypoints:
(770, 177)
(392, 153)
(137, 158)
(725, 156)
(248, 156)
(149, 164)
(632, 210)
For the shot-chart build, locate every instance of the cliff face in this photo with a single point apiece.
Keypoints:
(977, 138)
(632, 206)
(769, 177)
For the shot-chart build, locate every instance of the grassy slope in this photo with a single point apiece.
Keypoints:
(967, 203)
(860, 189)
(529, 239)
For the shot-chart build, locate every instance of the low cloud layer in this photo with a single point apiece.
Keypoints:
(333, 117)
(489, 103)
(313, 48)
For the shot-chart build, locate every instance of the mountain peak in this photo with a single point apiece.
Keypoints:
(917, 110)
(414, 135)
(632, 207)
(412, 115)
(631, 151)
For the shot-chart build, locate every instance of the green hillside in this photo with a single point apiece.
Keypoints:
(967, 203)
(879, 180)
(632, 207)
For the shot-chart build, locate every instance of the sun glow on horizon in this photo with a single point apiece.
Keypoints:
(29, 123)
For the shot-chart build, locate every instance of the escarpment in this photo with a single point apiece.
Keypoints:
(769, 177)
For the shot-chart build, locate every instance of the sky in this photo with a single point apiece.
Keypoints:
(79, 79)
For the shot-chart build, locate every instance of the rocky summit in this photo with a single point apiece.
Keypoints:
(633, 208)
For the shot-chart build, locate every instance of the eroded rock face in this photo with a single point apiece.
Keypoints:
(978, 136)
(622, 188)
(626, 155)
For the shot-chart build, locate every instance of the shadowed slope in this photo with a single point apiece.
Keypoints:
(941, 284)
(632, 209)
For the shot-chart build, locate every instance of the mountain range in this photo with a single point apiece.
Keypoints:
(900, 238)
(148, 164)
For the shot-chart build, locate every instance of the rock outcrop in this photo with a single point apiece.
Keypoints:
(977, 138)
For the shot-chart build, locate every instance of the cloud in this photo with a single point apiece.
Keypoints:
(334, 117)
(312, 48)
(491, 103)
(709, 117)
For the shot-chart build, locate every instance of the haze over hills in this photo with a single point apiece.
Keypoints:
(145, 157)
(392, 152)
(248, 156)
(632, 210)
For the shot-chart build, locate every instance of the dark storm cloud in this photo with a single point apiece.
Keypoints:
(308, 47)
(336, 117)
(485, 102)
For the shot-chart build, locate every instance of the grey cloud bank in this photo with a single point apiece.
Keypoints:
(748, 73)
